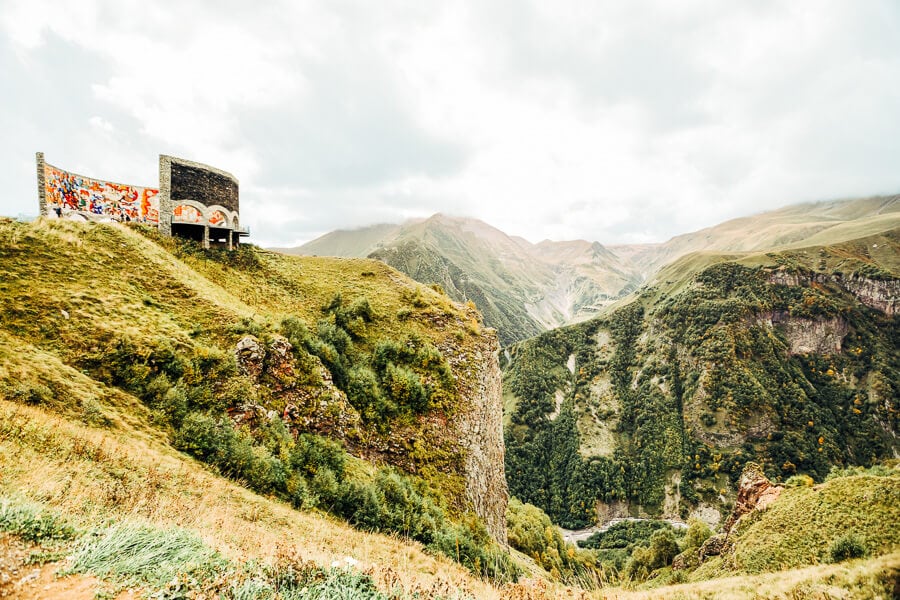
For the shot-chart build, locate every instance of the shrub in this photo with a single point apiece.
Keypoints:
(846, 547)
(232, 452)
(30, 393)
(697, 533)
(203, 436)
(663, 548)
(799, 481)
(312, 453)
(468, 543)
(405, 388)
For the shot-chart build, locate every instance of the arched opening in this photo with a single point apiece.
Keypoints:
(188, 222)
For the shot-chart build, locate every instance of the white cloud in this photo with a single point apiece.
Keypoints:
(599, 120)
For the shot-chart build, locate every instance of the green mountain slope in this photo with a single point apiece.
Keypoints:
(521, 288)
(791, 359)
(335, 384)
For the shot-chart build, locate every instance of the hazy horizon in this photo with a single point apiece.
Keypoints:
(610, 122)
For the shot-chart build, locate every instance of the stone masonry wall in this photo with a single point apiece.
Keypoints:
(203, 184)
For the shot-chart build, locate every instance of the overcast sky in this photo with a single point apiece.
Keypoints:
(610, 121)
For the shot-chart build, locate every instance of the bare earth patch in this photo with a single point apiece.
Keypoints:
(24, 581)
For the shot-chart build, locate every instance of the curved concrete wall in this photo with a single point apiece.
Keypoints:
(64, 194)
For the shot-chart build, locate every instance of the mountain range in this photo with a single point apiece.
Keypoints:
(523, 288)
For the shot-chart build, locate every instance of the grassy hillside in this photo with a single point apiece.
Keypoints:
(779, 358)
(119, 362)
(97, 478)
(795, 226)
(339, 360)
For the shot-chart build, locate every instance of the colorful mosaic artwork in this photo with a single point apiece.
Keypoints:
(218, 219)
(185, 213)
(67, 192)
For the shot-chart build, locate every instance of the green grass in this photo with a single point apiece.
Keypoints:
(134, 554)
(799, 529)
(175, 563)
(806, 524)
(32, 522)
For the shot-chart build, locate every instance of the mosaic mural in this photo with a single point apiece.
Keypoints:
(185, 213)
(218, 219)
(67, 192)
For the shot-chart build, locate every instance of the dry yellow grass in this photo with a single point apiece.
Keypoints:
(845, 581)
(92, 475)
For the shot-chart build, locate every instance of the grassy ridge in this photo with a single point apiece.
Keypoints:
(800, 528)
(126, 330)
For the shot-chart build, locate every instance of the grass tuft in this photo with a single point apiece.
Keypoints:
(137, 554)
(32, 522)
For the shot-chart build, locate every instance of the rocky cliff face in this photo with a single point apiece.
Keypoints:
(480, 431)
(808, 336)
(880, 294)
(883, 295)
(472, 437)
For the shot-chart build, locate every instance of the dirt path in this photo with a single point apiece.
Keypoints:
(32, 582)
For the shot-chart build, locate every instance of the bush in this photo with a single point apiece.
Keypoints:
(663, 548)
(799, 481)
(846, 547)
(405, 388)
(697, 533)
(468, 543)
(312, 453)
(232, 452)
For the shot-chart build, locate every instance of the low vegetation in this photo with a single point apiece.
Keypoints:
(175, 563)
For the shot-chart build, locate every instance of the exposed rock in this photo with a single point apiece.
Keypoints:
(880, 294)
(480, 431)
(883, 295)
(707, 513)
(686, 560)
(250, 354)
(755, 492)
(606, 512)
(815, 336)
(714, 546)
(280, 364)
(321, 408)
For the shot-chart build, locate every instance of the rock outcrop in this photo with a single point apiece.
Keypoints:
(479, 428)
(881, 294)
(307, 398)
(469, 438)
(755, 493)
(811, 336)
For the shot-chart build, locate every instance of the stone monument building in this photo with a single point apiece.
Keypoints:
(193, 200)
